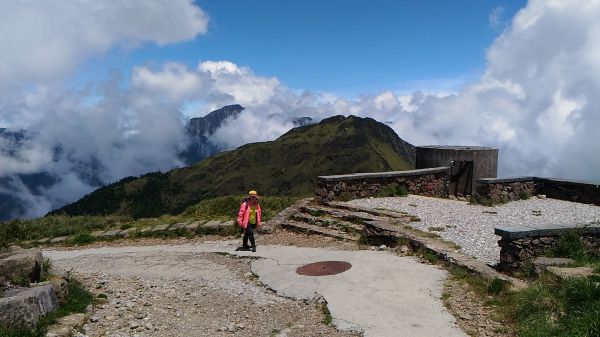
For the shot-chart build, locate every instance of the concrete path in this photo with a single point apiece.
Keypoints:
(382, 294)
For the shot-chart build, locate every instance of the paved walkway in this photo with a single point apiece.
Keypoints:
(382, 294)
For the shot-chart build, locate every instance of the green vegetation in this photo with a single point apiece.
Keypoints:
(550, 306)
(572, 246)
(82, 239)
(436, 229)
(284, 167)
(79, 298)
(524, 194)
(393, 191)
(327, 319)
(54, 226)
(80, 227)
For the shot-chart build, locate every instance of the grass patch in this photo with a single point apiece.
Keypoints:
(436, 229)
(327, 319)
(78, 300)
(524, 195)
(392, 191)
(82, 239)
(428, 255)
(549, 307)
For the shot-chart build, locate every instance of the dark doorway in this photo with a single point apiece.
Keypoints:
(461, 178)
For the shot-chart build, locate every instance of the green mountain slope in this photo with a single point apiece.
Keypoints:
(286, 166)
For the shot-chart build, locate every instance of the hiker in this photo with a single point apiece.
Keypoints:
(249, 219)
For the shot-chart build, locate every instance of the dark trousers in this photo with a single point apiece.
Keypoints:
(249, 234)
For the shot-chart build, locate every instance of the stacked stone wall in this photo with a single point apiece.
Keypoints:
(427, 182)
(514, 253)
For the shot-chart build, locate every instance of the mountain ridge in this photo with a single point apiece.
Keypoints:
(285, 166)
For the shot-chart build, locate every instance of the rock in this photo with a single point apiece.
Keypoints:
(565, 273)
(111, 234)
(97, 233)
(59, 239)
(177, 226)
(404, 250)
(542, 263)
(59, 285)
(25, 308)
(265, 229)
(382, 247)
(74, 320)
(94, 319)
(128, 232)
(541, 196)
(60, 331)
(133, 325)
(26, 263)
(160, 228)
(192, 227)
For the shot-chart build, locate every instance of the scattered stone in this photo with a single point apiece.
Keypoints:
(60, 331)
(382, 247)
(404, 249)
(541, 196)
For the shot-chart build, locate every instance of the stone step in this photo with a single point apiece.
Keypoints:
(328, 222)
(397, 216)
(302, 227)
(345, 215)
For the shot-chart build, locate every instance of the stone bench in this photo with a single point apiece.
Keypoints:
(521, 244)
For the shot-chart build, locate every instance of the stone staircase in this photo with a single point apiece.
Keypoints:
(335, 220)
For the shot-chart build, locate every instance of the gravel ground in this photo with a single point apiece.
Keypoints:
(188, 294)
(472, 226)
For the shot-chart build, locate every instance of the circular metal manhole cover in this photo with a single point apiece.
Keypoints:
(323, 268)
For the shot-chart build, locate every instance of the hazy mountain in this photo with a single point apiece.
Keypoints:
(285, 166)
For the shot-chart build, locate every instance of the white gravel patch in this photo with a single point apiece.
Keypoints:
(472, 226)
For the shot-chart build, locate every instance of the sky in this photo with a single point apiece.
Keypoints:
(112, 84)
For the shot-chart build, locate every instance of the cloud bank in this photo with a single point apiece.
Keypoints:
(537, 101)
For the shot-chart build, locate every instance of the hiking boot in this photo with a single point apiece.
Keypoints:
(254, 249)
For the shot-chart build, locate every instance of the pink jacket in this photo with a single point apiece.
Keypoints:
(244, 214)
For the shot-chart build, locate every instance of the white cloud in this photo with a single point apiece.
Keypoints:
(44, 40)
(537, 102)
(495, 17)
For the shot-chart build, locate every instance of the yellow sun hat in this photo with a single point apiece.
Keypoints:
(253, 193)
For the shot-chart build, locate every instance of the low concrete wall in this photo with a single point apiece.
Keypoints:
(520, 245)
(509, 189)
(429, 182)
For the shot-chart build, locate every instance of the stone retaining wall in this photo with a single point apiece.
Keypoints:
(431, 182)
(510, 189)
(518, 247)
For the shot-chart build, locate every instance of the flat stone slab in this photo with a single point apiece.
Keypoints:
(193, 226)
(128, 232)
(177, 226)
(159, 228)
(59, 239)
(576, 272)
(521, 232)
(25, 308)
(213, 224)
(97, 233)
(111, 234)
(391, 174)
